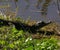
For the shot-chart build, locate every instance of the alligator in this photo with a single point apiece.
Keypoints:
(19, 25)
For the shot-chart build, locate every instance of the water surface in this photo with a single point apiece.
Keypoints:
(32, 11)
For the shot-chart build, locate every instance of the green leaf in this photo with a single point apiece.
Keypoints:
(2, 42)
(14, 30)
(20, 33)
(29, 48)
(11, 45)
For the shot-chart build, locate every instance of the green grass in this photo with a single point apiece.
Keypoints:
(11, 39)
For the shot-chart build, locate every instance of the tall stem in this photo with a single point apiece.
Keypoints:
(15, 1)
(58, 7)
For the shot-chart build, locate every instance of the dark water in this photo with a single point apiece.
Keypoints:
(32, 11)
